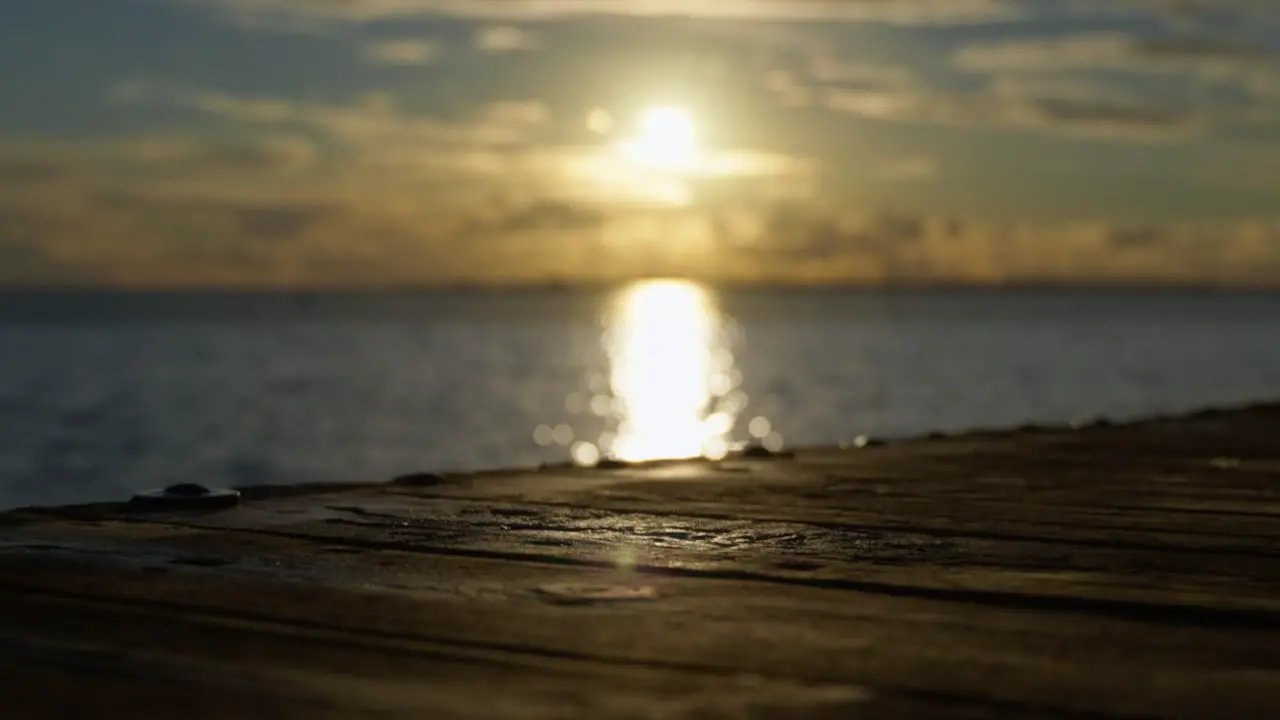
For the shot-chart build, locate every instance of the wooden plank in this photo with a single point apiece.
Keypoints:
(1120, 572)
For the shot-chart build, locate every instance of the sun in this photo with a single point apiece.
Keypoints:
(667, 139)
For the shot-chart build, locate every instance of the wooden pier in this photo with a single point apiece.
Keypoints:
(1126, 571)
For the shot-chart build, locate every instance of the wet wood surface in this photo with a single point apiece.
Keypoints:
(1105, 572)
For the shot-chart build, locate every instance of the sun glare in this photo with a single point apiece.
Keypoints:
(663, 368)
(672, 390)
(667, 139)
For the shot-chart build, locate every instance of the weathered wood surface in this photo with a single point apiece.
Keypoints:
(1110, 571)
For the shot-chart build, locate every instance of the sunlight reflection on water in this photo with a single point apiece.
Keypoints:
(672, 388)
(661, 352)
(105, 394)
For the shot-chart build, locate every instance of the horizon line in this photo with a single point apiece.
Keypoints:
(550, 285)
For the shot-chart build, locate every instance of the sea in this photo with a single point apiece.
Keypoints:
(105, 394)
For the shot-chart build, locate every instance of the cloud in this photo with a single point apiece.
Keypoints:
(1072, 86)
(1082, 118)
(503, 144)
(1251, 169)
(103, 226)
(402, 52)
(524, 113)
(373, 190)
(503, 147)
(789, 90)
(260, 110)
(1048, 53)
(532, 217)
(825, 67)
(1263, 85)
(826, 244)
(910, 168)
(373, 119)
(897, 12)
(62, 224)
(1172, 81)
(504, 38)
(1198, 14)
(265, 152)
(282, 222)
(1117, 51)
(41, 170)
(1198, 60)
(1105, 119)
(1061, 87)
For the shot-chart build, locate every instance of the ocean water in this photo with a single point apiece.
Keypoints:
(105, 394)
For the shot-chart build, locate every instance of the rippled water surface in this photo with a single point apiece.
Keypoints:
(104, 394)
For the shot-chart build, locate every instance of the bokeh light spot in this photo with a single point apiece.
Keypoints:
(760, 427)
(584, 454)
(544, 435)
(563, 434)
(772, 442)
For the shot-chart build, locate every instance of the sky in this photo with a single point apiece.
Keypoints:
(374, 143)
